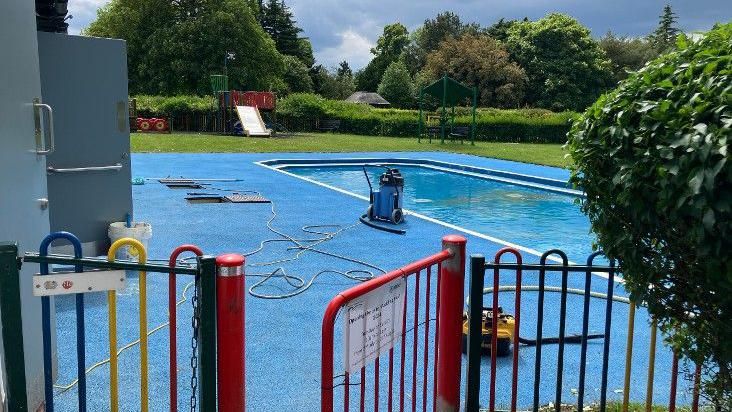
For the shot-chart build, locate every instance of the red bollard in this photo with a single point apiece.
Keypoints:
(230, 290)
(452, 300)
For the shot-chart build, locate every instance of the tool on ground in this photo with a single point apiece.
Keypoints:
(385, 205)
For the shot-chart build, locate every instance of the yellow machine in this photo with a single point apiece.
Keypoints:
(505, 331)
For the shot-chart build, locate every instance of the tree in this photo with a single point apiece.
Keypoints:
(173, 47)
(305, 52)
(396, 86)
(330, 86)
(427, 38)
(626, 54)
(480, 61)
(344, 69)
(664, 37)
(278, 21)
(566, 68)
(499, 30)
(296, 76)
(388, 48)
(653, 158)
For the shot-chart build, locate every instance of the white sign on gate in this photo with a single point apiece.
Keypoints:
(373, 323)
(66, 283)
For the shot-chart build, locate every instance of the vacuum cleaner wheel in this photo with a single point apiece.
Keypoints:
(397, 216)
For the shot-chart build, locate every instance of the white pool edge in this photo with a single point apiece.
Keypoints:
(427, 218)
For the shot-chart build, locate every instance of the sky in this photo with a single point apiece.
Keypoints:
(347, 29)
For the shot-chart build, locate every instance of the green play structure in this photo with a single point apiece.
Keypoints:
(450, 92)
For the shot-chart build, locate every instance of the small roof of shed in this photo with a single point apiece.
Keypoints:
(373, 99)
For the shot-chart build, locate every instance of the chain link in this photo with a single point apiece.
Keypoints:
(195, 323)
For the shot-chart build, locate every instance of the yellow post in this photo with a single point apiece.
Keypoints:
(628, 356)
(113, 374)
(137, 247)
(651, 367)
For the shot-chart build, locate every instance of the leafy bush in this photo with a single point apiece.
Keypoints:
(173, 105)
(653, 157)
(301, 111)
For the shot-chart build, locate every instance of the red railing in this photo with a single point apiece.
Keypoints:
(446, 358)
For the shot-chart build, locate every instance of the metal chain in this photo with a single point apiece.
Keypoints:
(195, 323)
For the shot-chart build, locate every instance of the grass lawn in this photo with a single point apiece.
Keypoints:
(545, 154)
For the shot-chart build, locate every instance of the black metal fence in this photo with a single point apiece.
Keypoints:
(489, 329)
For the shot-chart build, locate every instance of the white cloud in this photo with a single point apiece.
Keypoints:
(353, 47)
(84, 12)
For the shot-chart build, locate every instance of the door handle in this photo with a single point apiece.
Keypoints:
(49, 135)
(116, 166)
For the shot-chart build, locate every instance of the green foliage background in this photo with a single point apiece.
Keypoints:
(301, 111)
(173, 49)
(653, 157)
(566, 68)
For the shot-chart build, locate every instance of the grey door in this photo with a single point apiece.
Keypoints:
(85, 80)
(23, 215)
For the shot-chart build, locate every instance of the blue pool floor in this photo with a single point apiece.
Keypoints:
(283, 336)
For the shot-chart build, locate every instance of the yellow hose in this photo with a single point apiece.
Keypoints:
(651, 367)
(628, 357)
(111, 297)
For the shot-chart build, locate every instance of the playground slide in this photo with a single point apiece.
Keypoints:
(252, 121)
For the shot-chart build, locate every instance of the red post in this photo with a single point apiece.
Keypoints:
(230, 289)
(452, 285)
(173, 361)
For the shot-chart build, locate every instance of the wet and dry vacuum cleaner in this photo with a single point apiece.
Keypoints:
(385, 205)
(505, 330)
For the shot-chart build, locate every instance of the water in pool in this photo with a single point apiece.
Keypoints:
(533, 218)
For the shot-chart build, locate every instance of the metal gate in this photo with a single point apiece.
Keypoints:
(436, 365)
(559, 264)
(218, 292)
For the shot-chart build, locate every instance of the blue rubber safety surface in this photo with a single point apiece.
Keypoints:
(284, 336)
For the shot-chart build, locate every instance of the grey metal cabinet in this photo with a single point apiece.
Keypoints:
(84, 79)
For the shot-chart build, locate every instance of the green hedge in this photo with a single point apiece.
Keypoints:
(173, 105)
(300, 112)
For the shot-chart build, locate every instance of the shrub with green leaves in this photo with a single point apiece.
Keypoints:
(653, 157)
(173, 105)
(300, 111)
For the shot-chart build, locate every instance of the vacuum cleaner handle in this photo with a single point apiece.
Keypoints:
(371, 189)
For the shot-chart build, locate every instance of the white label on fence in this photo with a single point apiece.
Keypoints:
(373, 324)
(65, 283)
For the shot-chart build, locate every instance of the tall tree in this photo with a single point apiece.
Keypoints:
(388, 48)
(428, 37)
(480, 61)
(336, 86)
(396, 85)
(296, 76)
(344, 69)
(566, 68)
(626, 54)
(664, 37)
(173, 47)
(499, 30)
(279, 22)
